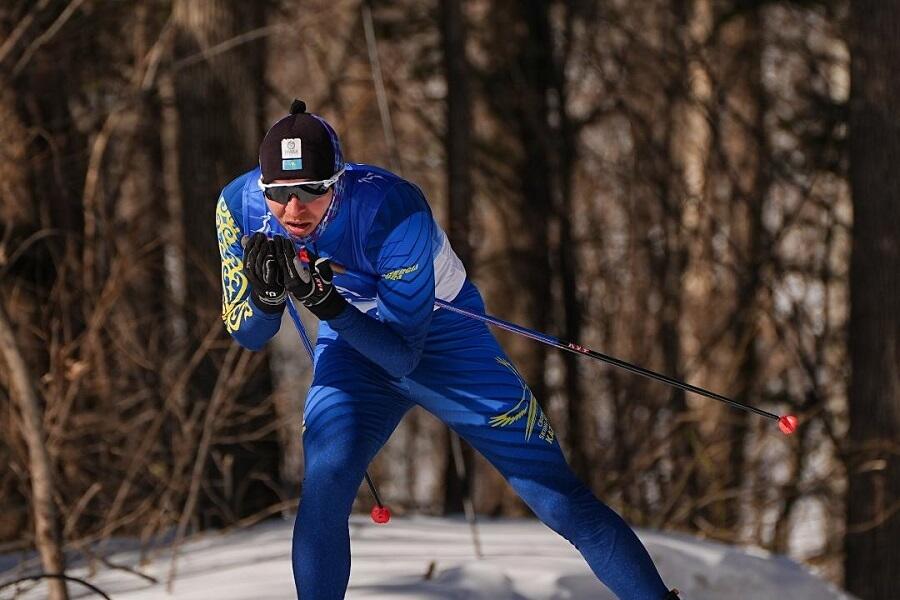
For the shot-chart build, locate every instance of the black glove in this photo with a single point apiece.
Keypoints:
(261, 269)
(313, 287)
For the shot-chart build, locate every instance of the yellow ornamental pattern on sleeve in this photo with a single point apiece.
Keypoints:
(234, 283)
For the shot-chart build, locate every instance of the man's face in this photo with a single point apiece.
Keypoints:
(298, 218)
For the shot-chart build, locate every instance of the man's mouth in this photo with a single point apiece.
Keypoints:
(297, 227)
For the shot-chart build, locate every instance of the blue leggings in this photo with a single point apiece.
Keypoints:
(465, 380)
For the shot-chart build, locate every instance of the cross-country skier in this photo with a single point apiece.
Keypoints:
(382, 348)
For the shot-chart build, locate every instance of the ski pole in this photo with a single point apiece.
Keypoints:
(380, 514)
(786, 423)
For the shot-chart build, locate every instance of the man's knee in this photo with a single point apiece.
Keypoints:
(566, 512)
(555, 511)
(334, 471)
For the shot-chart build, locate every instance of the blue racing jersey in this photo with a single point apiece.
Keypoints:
(381, 229)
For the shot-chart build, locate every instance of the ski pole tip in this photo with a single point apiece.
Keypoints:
(787, 424)
(381, 514)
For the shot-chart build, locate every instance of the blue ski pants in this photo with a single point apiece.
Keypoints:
(466, 381)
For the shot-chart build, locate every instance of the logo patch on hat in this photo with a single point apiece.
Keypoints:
(290, 148)
(293, 164)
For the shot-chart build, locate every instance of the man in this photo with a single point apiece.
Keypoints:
(382, 347)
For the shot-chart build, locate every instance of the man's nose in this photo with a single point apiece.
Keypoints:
(294, 206)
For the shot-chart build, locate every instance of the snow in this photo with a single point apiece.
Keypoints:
(426, 558)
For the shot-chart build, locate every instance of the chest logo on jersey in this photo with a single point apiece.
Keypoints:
(399, 273)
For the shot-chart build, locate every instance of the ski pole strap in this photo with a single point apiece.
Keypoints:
(300, 328)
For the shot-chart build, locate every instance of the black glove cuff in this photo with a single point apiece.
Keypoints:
(329, 307)
(270, 306)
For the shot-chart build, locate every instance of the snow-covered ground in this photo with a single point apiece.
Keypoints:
(423, 558)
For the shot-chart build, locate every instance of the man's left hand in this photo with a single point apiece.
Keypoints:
(314, 286)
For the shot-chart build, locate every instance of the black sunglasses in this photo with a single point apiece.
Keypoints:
(306, 191)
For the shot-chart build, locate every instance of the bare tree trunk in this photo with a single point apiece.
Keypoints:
(742, 148)
(662, 242)
(458, 149)
(46, 530)
(219, 99)
(457, 137)
(220, 118)
(567, 256)
(174, 255)
(690, 155)
(13, 136)
(873, 498)
(534, 64)
(517, 87)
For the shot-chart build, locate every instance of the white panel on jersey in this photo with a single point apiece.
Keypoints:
(449, 271)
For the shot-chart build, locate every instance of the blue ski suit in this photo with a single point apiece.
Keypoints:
(391, 349)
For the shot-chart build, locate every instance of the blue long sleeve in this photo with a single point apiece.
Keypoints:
(247, 324)
(399, 246)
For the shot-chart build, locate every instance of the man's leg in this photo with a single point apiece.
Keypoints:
(351, 410)
(467, 381)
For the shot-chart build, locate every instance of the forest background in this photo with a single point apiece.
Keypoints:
(708, 188)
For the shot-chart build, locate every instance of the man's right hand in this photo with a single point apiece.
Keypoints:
(261, 270)
(313, 286)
